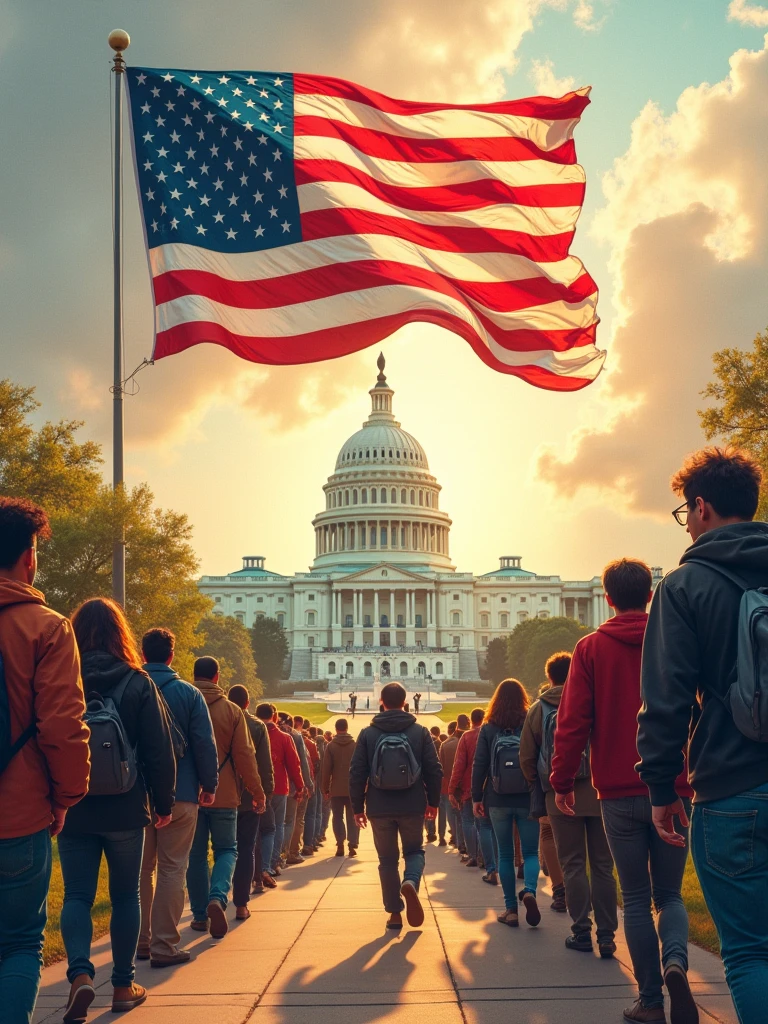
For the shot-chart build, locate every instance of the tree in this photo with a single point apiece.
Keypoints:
(496, 659)
(533, 641)
(741, 390)
(226, 639)
(270, 648)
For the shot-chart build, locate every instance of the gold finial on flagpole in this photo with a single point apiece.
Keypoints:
(119, 40)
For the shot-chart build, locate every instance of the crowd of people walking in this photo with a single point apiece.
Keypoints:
(651, 722)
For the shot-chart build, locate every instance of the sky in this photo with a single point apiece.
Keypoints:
(674, 230)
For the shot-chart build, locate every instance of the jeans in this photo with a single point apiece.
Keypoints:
(576, 838)
(410, 830)
(341, 807)
(245, 867)
(487, 839)
(203, 885)
(25, 874)
(502, 819)
(309, 818)
(80, 854)
(446, 817)
(458, 835)
(648, 869)
(319, 816)
(326, 814)
(729, 840)
(265, 841)
(469, 828)
(279, 803)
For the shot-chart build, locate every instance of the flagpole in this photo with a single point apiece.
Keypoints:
(119, 41)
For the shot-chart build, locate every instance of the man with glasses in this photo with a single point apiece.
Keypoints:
(689, 662)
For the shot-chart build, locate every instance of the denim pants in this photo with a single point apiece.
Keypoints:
(245, 867)
(326, 814)
(729, 841)
(309, 818)
(469, 828)
(459, 830)
(203, 885)
(649, 870)
(319, 817)
(502, 819)
(341, 808)
(487, 839)
(265, 841)
(279, 804)
(409, 829)
(25, 874)
(446, 817)
(80, 854)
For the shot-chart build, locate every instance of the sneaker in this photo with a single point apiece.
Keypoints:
(294, 858)
(582, 942)
(128, 998)
(353, 851)
(558, 899)
(81, 995)
(199, 926)
(509, 918)
(414, 911)
(471, 863)
(532, 912)
(682, 1005)
(606, 948)
(639, 1014)
(307, 851)
(218, 919)
(181, 956)
(491, 878)
(443, 841)
(257, 889)
(339, 850)
(395, 921)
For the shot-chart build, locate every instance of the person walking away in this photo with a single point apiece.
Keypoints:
(44, 752)
(308, 849)
(500, 790)
(299, 810)
(556, 670)
(430, 824)
(446, 818)
(704, 664)
(601, 700)
(318, 836)
(486, 845)
(335, 784)
(209, 888)
(252, 826)
(416, 699)
(395, 780)
(166, 851)
(460, 788)
(287, 770)
(124, 707)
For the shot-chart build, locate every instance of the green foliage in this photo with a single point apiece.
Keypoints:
(533, 641)
(270, 648)
(226, 639)
(741, 416)
(496, 659)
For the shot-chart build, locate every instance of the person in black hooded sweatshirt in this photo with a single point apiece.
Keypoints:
(397, 813)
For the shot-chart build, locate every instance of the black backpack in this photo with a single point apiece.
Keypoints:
(9, 748)
(113, 760)
(506, 774)
(544, 766)
(394, 764)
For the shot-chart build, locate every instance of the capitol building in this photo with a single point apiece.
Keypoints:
(382, 597)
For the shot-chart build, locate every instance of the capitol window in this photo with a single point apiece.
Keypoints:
(384, 495)
(457, 641)
(281, 600)
(310, 641)
(331, 668)
(365, 495)
(484, 600)
(413, 497)
(281, 618)
(403, 498)
(484, 620)
(310, 597)
(393, 496)
(421, 498)
(310, 618)
(544, 599)
(354, 497)
(456, 619)
(383, 539)
(259, 600)
(523, 599)
(398, 454)
(504, 620)
(455, 597)
(374, 492)
(346, 497)
(484, 641)
(504, 600)
(368, 453)
(217, 600)
(438, 668)
(239, 600)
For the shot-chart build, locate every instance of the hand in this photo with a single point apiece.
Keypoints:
(455, 804)
(664, 821)
(59, 814)
(361, 820)
(478, 809)
(430, 814)
(161, 820)
(261, 806)
(206, 799)
(565, 803)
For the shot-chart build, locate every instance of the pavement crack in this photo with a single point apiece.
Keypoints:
(454, 983)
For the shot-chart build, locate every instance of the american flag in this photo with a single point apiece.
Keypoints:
(294, 218)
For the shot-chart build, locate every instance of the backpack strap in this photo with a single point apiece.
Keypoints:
(119, 691)
(732, 576)
(31, 729)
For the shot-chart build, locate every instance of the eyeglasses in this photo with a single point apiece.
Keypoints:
(681, 514)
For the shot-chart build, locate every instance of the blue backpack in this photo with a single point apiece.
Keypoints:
(9, 748)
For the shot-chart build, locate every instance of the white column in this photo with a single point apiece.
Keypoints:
(376, 619)
(392, 611)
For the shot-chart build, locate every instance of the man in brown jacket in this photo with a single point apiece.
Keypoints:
(44, 757)
(209, 891)
(335, 783)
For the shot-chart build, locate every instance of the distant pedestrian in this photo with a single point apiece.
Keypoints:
(434, 732)
(416, 699)
(446, 818)
(110, 821)
(318, 838)
(704, 669)
(217, 824)
(335, 784)
(44, 755)
(166, 851)
(500, 790)
(287, 772)
(308, 849)
(367, 703)
(395, 777)
(297, 804)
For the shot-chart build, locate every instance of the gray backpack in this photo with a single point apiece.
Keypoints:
(506, 774)
(547, 748)
(113, 759)
(747, 698)
(394, 764)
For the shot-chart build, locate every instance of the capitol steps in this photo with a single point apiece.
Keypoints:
(468, 667)
(301, 665)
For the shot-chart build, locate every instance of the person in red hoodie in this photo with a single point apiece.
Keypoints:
(600, 703)
(287, 766)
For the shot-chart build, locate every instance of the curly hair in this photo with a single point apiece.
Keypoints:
(509, 705)
(728, 478)
(20, 522)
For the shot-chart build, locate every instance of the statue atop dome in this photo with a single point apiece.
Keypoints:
(381, 380)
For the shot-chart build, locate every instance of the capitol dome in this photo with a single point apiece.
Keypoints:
(384, 468)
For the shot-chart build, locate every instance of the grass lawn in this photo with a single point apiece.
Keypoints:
(317, 713)
(450, 711)
(53, 949)
(702, 928)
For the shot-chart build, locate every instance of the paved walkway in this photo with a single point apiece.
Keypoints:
(316, 952)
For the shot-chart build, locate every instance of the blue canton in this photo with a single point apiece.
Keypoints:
(214, 158)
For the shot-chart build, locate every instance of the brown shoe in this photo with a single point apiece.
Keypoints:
(509, 917)
(142, 953)
(353, 851)
(414, 911)
(339, 851)
(199, 926)
(294, 858)
(128, 998)
(81, 995)
(242, 913)
(491, 878)
(532, 912)
(639, 1014)
(268, 881)
(219, 923)
(682, 1005)
(558, 899)
(395, 921)
(181, 956)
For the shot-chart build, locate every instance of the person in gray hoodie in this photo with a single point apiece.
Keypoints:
(689, 662)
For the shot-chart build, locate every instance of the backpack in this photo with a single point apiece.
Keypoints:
(394, 765)
(8, 748)
(746, 699)
(178, 738)
(506, 774)
(544, 766)
(113, 759)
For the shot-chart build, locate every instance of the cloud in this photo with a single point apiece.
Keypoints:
(546, 82)
(687, 218)
(747, 13)
(584, 17)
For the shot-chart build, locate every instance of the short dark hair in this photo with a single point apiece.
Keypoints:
(313, 731)
(306, 723)
(206, 668)
(298, 721)
(627, 582)
(158, 644)
(557, 666)
(728, 478)
(20, 522)
(393, 696)
(265, 712)
(452, 726)
(462, 722)
(342, 725)
(239, 695)
(435, 730)
(477, 715)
